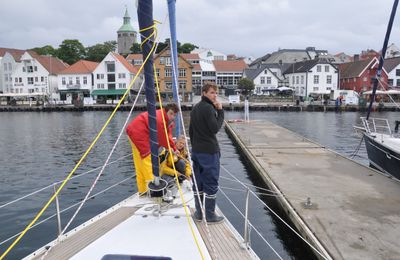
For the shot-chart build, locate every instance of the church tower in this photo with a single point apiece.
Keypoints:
(126, 35)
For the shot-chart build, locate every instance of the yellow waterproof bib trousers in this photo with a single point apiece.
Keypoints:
(143, 168)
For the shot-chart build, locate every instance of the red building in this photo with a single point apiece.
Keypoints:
(358, 75)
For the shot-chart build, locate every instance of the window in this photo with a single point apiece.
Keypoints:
(398, 82)
(162, 60)
(168, 85)
(326, 68)
(30, 68)
(319, 68)
(390, 82)
(121, 85)
(365, 79)
(328, 88)
(316, 79)
(182, 72)
(329, 79)
(30, 80)
(110, 67)
(262, 80)
(23, 69)
(138, 62)
(100, 76)
(265, 71)
(302, 79)
(5, 66)
(121, 75)
(16, 80)
(63, 81)
(158, 73)
(9, 66)
(168, 61)
(397, 72)
(84, 80)
(36, 79)
(69, 80)
(6, 77)
(293, 80)
(297, 79)
(316, 88)
(42, 79)
(35, 68)
(182, 84)
(168, 73)
(78, 81)
(268, 80)
(100, 86)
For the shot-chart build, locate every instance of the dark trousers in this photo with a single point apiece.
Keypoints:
(206, 171)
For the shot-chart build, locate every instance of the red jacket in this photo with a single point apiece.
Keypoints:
(138, 132)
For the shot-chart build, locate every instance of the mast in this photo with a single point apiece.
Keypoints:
(145, 17)
(382, 57)
(174, 60)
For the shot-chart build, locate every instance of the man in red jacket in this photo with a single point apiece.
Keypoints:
(139, 136)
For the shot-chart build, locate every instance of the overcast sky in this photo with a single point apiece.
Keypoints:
(248, 28)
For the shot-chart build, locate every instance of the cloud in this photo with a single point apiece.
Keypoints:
(251, 27)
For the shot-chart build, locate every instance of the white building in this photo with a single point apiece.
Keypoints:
(7, 66)
(392, 51)
(228, 73)
(316, 76)
(266, 78)
(112, 77)
(32, 73)
(76, 82)
(392, 66)
(209, 54)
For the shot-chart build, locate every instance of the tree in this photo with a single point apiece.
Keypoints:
(246, 85)
(135, 49)
(187, 48)
(70, 51)
(99, 51)
(45, 50)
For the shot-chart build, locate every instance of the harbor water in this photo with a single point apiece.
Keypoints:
(39, 149)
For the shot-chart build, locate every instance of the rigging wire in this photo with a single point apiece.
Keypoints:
(273, 212)
(58, 182)
(68, 208)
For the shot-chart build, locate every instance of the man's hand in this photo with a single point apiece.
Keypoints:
(218, 105)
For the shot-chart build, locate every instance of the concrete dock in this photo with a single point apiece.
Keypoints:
(354, 211)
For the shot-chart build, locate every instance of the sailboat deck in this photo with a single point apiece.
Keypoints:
(132, 228)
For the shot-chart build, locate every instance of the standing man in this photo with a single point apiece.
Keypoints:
(206, 119)
(139, 136)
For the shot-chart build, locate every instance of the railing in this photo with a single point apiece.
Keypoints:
(377, 126)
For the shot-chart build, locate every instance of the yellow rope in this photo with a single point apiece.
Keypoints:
(85, 154)
(173, 165)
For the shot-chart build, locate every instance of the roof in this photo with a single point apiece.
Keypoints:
(196, 66)
(136, 56)
(354, 69)
(190, 56)
(16, 53)
(391, 63)
(81, 67)
(52, 64)
(229, 65)
(252, 73)
(303, 66)
(125, 62)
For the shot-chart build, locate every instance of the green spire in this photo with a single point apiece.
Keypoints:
(126, 27)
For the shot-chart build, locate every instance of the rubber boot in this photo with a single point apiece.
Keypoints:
(198, 215)
(211, 217)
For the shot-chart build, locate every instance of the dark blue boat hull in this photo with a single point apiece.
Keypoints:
(382, 158)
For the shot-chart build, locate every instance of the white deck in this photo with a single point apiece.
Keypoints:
(131, 228)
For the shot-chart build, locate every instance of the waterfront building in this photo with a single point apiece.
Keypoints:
(392, 51)
(76, 82)
(358, 75)
(228, 73)
(7, 66)
(342, 57)
(32, 74)
(163, 66)
(392, 67)
(209, 54)
(112, 77)
(127, 36)
(312, 77)
(266, 78)
(194, 60)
